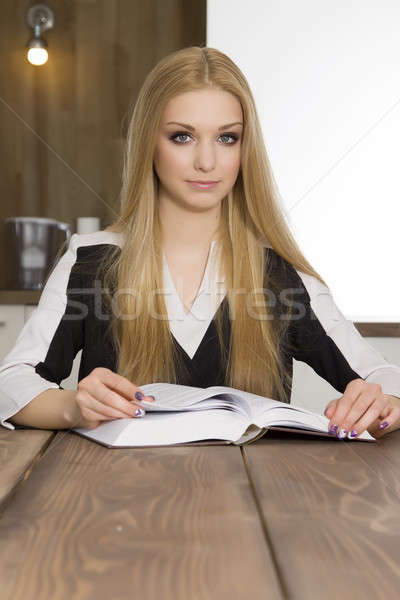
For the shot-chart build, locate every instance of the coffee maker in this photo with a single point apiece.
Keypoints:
(34, 242)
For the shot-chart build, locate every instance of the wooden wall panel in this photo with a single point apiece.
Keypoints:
(62, 125)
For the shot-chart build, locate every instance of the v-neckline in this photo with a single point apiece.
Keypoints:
(201, 287)
(203, 339)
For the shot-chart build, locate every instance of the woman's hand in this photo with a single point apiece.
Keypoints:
(104, 396)
(363, 406)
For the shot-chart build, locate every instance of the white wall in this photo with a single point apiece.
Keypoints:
(313, 392)
(326, 81)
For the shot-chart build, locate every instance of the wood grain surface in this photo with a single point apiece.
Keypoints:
(63, 125)
(19, 451)
(332, 512)
(92, 522)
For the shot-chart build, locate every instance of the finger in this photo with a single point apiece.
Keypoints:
(344, 405)
(375, 429)
(92, 418)
(122, 386)
(391, 416)
(91, 415)
(105, 395)
(364, 411)
(330, 408)
(367, 419)
(112, 403)
(88, 417)
(103, 410)
(102, 379)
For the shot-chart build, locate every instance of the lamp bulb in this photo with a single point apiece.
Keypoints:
(37, 56)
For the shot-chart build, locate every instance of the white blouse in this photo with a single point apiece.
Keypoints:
(190, 328)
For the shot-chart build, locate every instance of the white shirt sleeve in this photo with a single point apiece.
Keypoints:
(20, 381)
(339, 345)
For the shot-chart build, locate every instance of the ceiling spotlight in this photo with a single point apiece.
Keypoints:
(40, 17)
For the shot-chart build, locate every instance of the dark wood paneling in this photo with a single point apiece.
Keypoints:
(62, 125)
(20, 296)
(379, 329)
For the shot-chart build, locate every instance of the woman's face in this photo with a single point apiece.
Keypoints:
(193, 143)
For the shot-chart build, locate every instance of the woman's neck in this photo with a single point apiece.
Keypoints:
(188, 232)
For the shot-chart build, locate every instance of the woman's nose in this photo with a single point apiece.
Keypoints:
(205, 157)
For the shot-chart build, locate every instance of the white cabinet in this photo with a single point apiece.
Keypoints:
(12, 319)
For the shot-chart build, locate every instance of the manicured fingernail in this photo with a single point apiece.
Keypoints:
(151, 398)
(139, 395)
(384, 424)
(342, 433)
(333, 429)
(353, 433)
(139, 412)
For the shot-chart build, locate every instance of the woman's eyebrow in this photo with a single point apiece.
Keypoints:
(191, 128)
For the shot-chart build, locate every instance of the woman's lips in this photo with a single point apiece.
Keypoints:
(203, 186)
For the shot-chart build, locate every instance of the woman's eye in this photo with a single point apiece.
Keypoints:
(179, 135)
(232, 136)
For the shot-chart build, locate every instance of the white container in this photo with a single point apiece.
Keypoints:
(34, 243)
(87, 224)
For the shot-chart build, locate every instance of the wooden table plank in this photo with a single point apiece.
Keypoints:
(92, 522)
(332, 512)
(383, 460)
(19, 450)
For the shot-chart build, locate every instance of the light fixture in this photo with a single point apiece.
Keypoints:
(40, 17)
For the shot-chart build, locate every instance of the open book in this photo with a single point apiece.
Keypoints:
(184, 414)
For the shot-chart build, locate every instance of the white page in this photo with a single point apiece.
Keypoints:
(252, 403)
(222, 402)
(304, 419)
(169, 428)
(173, 397)
(283, 413)
(261, 411)
(170, 396)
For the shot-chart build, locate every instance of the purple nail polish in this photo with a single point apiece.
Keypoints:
(353, 433)
(139, 412)
(139, 395)
(384, 424)
(333, 429)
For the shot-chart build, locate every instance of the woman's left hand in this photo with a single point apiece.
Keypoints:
(363, 406)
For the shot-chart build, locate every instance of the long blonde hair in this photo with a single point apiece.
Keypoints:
(251, 220)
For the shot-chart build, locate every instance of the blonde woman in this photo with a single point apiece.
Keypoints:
(199, 281)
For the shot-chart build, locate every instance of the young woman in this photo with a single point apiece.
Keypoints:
(199, 281)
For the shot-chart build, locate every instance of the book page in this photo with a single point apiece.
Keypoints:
(174, 397)
(252, 403)
(291, 416)
(178, 397)
(259, 410)
(166, 428)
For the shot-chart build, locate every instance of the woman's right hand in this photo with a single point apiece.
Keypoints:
(104, 396)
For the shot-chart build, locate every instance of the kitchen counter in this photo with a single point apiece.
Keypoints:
(365, 329)
(20, 296)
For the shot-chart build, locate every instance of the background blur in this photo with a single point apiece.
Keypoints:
(325, 80)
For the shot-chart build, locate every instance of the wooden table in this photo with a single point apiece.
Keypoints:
(286, 517)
